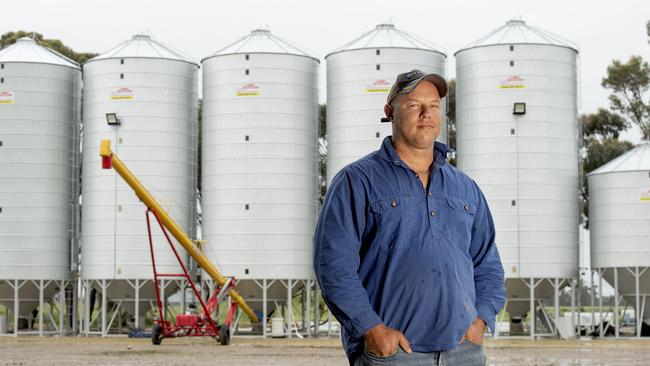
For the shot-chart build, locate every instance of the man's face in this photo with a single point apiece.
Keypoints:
(417, 116)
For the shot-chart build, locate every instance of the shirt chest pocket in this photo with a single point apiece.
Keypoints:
(460, 219)
(392, 221)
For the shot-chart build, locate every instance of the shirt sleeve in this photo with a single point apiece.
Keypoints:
(488, 269)
(337, 242)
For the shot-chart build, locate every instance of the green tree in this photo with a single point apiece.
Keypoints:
(451, 117)
(601, 145)
(630, 83)
(605, 124)
(55, 44)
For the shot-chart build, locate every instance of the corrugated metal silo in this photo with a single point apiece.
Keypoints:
(619, 221)
(359, 77)
(260, 164)
(518, 137)
(153, 90)
(40, 95)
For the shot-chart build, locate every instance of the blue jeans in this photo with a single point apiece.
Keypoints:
(466, 354)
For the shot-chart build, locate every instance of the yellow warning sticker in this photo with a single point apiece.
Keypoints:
(378, 86)
(7, 98)
(249, 90)
(122, 94)
(644, 194)
(513, 82)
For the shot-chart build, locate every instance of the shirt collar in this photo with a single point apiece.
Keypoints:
(387, 152)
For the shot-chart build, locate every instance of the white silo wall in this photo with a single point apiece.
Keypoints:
(527, 165)
(40, 95)
(619, 222)
(260, 164)
(359, 77)
(155, 99)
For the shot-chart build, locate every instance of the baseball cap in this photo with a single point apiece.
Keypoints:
(407, 81)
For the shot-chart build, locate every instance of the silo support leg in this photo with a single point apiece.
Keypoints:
(303, 308)
(183, 286)
(16, 307)
(104, 302)
(641, 312)
(556, 309)
(531, 301)
(639, 308)
(289, 308)
(600, 301)
(88, 285)
(573, 308)
(316, 310)
(616, 302)
(62, 286)
(41, 307)
(264, 307)
(591, 302)
(136, 306)
(308, 301)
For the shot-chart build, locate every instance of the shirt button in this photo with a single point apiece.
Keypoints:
(393, 204)
(466, 207)
(433, 213)
(429, 194)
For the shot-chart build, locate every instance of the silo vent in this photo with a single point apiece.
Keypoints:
(142, 37)
(515, 22)
(385, 26)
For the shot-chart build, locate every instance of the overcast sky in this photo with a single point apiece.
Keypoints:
(604, 30)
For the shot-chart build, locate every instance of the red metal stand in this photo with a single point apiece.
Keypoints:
(189, 325)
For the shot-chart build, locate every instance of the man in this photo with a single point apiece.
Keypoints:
(405, 250)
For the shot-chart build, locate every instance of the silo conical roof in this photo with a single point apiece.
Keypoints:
(27, 50)
(386, 35)
(637, 159)
(144, 46)
(516, 31)
(262, 41)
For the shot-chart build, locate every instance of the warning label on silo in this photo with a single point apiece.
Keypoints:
(7, 98)
(122, 94)
(644, 194)
(512, 82)
(378, 86)
(249, 90)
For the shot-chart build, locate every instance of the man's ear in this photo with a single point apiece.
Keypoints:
(388, 111)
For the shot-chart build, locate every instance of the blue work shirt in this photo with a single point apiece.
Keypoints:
(422, 261)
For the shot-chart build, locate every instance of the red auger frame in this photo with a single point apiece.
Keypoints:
(194, 324)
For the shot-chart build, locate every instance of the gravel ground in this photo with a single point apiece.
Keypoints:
(31, 350)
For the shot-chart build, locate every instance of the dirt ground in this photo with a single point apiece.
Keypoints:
(31, 350)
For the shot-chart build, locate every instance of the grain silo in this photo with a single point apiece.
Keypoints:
(152, 90)
(619, 221)
(518, 137)
(359, 77)
(40, 95)
(260, 166)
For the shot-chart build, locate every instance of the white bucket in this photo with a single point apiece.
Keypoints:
(277, 326)
(3, 324)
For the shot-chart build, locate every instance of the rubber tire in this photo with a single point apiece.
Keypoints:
(156, 335)
(224, 335)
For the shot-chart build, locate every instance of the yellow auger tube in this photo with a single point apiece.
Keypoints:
(169, 223)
